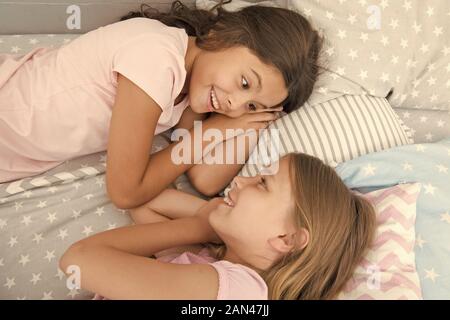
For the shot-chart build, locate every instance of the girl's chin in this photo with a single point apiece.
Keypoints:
(200, 110)
(223, 208)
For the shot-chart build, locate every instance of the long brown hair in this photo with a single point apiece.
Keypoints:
(278, 37)
(341, 226)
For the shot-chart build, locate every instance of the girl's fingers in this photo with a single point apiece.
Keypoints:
(268, 110)
(263, 116)
(261, 125)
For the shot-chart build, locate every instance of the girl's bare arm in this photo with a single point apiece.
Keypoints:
(132, 176)
(114, 263)
(169, 204)
(210, 179)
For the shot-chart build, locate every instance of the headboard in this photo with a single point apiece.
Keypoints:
(72, 16)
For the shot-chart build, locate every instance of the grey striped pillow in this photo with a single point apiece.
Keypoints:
(337, 130)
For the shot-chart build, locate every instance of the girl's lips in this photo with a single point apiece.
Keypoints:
(210, 107)
(229, 199)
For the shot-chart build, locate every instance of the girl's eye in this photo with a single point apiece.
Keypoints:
(263, 182)
(244, 83)
(251, 107)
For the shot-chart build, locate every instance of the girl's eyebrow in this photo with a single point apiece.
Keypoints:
(259, 87)
(259, 78)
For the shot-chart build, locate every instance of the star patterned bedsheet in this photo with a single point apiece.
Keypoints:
(41, 216)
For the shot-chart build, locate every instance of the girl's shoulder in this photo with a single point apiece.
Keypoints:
(138, 23)
(236, 281)
(239, 282)
(143, 26)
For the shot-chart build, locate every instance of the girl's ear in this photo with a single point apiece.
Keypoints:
(286, 242)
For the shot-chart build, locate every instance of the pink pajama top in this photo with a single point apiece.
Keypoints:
(56, 104)
(236, 281)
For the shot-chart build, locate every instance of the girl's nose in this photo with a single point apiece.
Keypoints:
(237, 102)
(232, 106)
(241, 182)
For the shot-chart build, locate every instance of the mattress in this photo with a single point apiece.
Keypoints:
(41, 216)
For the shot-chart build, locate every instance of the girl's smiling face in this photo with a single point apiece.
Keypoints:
(233, 82)
(261, 209)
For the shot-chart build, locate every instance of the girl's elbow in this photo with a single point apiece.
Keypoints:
(122, 203)
(120, 200)
(208, 191)
(71, 256)
(120, 195)
(135, 197)
(205, 187)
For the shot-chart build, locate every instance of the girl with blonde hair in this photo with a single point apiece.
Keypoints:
(296, 234)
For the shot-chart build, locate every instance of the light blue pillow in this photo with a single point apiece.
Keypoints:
(428, 164)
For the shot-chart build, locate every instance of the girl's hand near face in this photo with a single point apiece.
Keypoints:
(203, 217)
(255, 120)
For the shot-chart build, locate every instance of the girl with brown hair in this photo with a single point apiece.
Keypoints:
(116, 87)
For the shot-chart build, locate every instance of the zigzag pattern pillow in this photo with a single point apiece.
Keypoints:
(388, 271)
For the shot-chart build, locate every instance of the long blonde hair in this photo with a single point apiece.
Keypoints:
(341, 226)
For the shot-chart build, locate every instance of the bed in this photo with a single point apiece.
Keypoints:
(41, 216)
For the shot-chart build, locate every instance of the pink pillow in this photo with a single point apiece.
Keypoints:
(388, 271)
